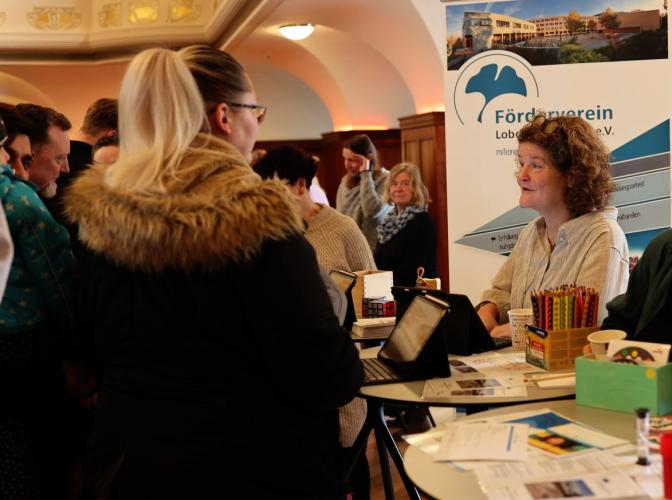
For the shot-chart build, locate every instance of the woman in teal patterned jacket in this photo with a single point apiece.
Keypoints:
(41, 277)
(35, 317)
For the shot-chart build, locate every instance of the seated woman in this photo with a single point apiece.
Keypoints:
(406, 236)
(338, 242)
(644, 311)
(360, 193)
(221, 355)
(563, 173)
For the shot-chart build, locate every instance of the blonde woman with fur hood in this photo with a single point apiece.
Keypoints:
(221, 356)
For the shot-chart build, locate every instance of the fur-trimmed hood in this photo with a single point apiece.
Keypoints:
(216, 211)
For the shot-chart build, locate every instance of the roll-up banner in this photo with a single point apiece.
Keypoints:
(603, 60)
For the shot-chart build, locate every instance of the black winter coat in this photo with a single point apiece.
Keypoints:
(412, 247)
(223, 363)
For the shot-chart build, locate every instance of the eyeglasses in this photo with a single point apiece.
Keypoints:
(550, 126)
(257, 110)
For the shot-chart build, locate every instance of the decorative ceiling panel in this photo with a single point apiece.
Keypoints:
(54, 18)
(98, 29)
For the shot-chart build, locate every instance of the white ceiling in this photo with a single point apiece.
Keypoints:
(368, 62)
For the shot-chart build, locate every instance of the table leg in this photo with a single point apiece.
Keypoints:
(385, 440)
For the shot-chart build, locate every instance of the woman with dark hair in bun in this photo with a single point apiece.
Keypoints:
(338, 242)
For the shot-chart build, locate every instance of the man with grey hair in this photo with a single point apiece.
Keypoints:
(50, 144)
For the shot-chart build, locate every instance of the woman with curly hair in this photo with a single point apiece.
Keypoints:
(563, 173)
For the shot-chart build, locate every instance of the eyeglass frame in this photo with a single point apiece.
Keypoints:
(258, 110)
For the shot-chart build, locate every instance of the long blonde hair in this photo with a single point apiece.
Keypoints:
(162, 108)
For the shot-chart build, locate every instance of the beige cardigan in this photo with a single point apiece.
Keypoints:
(340, 244)
(590, 250)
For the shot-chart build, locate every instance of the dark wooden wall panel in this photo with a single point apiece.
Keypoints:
(424, 144)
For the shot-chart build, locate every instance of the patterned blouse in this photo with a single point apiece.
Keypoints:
(40, 284)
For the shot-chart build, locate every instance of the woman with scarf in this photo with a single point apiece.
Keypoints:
(406, 236)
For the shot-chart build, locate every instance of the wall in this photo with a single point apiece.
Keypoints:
(72, 87)
(295, 110)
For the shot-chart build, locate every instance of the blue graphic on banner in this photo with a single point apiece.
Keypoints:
(490, 85)
(510, 75)
(651, 142)
(641, 171)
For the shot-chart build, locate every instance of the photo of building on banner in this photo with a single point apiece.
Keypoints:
(550, 32)
(605, 61)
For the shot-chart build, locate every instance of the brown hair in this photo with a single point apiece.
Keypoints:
(575, 149)
(220, 78)
(101, 116)
(41, 119)
(420, 193)
(362, 145)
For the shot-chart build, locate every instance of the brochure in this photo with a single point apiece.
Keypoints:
(483, 441)
(594, 475)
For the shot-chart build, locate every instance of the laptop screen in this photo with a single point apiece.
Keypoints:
(413, 330)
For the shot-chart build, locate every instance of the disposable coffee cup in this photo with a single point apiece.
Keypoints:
(518, 319)
(599, 341)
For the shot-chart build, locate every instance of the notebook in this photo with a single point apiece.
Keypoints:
(464, 331)
(412, 351)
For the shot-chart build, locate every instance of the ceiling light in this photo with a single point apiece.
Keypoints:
(297, 31)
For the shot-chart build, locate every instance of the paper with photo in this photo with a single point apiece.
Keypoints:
(483, 441)
(474, 386)
(594, 486)
(588, 436)
(593, 475)
(494, 363)
(556, 445)
(539, 419)
(546, 467)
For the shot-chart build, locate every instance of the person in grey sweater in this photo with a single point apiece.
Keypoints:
(563, 173)
(338, 244)
(360, 193)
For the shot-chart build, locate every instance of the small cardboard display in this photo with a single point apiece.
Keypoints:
(555, 349)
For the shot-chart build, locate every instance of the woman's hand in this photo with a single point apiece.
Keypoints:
(364, 163)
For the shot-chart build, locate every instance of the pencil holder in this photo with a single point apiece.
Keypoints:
(555, 349)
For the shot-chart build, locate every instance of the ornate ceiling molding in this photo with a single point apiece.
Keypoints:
(54, 18)
(98, 29)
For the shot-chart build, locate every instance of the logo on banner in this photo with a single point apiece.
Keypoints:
(487, 79)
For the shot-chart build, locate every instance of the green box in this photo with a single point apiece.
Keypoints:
(622, 386)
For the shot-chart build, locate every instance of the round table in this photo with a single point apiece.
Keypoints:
(443, 481)
(411, 393)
